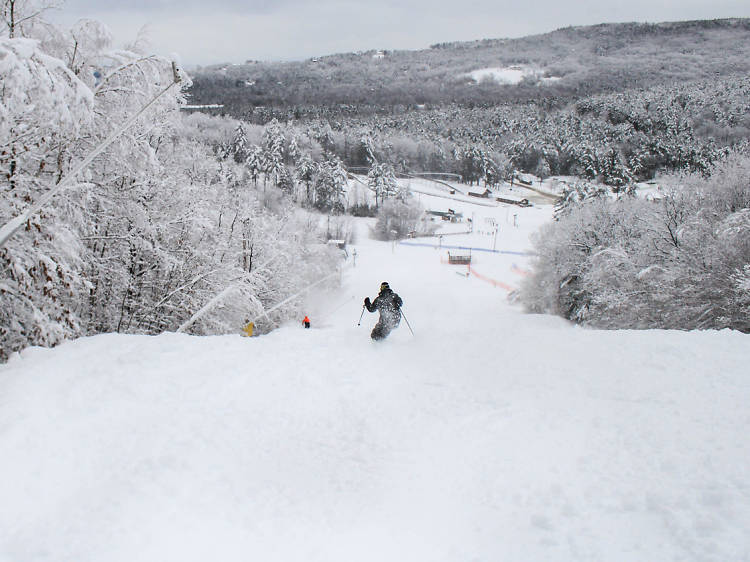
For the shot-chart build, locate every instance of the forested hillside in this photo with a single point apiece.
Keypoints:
(564, 64)
(615, 103)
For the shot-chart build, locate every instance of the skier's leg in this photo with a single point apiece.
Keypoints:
(377, 331)
(381, 331)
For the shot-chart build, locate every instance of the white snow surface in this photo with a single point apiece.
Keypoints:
(489, 435)
(500, 74)
(509, 74)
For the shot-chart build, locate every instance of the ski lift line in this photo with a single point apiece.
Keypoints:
(208, 306)
(355, 178)
(439, 182)
(184, 286)
(462, 198)
(451, 174)
(120, 68)
(541, 192)
(295, 295)
(10, 228)
(508, 252)
(215, 300)
(412, 175)
(337, 308)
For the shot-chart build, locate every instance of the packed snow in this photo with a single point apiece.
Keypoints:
(488, 434)
(510, 74)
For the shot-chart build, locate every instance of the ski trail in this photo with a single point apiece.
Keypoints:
(490, 435)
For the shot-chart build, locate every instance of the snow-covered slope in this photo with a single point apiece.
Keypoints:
(511, 74)
(489, 435)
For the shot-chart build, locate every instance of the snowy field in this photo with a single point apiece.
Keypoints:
(509, 75)
(489, 435)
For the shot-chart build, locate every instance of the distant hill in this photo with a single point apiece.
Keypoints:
(565, 64)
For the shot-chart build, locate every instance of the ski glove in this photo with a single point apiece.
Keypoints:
(367, 302)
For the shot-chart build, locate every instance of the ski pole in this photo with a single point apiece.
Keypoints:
(407, 322)
(361, 315)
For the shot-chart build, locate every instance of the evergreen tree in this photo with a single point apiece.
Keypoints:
(306, 170)
(382, 182)
(237, 150)
(330, 186)
(365, 153)
(255, 163)
(274, 144)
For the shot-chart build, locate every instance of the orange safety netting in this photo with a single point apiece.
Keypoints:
(494, 282)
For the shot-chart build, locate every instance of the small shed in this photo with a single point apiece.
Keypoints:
(484, 194)
(449, 215)
(513, 201)
(459, 258)
(340, 244)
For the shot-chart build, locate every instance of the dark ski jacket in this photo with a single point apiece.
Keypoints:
(389, 304)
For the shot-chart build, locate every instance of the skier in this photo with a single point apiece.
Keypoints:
(306, 322)
(389, 304)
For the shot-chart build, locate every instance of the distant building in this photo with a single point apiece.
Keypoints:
(526, 178)
(450, 215)
(204, 106)
(379, 55)
(341, 244)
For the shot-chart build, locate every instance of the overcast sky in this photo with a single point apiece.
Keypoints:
(202, 32)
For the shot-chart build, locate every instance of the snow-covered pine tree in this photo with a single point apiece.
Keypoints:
(237, 149)
(306, 170)
(330, 186)
(382, 182)
(255, 163)
(274, 148)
